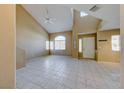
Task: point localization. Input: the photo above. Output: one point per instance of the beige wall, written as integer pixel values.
(87, 24)
(122, 43)
(30, 36)
(7, 46)
(105, 52)
(82, 25)
(68, 50)
(75, 30)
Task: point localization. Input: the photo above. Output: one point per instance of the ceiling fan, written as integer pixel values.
(47, 17)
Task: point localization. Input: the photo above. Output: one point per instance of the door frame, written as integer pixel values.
(81, 36)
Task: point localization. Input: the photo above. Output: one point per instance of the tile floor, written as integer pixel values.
(63, 72)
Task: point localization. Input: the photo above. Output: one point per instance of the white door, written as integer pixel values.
(89, 47)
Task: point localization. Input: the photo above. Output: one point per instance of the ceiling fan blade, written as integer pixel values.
(46, 21)
(46, 12)
(47, 18)
(52, 19)
(51, 22)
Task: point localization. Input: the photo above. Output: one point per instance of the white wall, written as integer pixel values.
(30, 36)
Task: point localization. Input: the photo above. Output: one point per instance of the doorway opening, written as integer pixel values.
(87, 46)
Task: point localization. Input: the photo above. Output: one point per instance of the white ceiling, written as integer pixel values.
(62, 14)
(108, 13)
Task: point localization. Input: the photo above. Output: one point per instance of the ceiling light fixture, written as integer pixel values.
(94, 8)
(47, 17)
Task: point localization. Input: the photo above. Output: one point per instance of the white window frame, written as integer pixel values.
(47, 45)
(80, 45)
(115, 39)
(51, 45)
(60, 43)
(83, 14)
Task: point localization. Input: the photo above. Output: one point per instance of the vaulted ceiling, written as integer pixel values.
(63, 17)
(108, 13)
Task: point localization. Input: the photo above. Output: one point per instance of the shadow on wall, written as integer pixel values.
(20, 58)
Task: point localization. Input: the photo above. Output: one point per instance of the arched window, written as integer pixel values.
(60, 43)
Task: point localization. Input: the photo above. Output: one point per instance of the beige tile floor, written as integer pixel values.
(55, 72)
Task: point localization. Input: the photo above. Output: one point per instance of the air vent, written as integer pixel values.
(94, 8)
